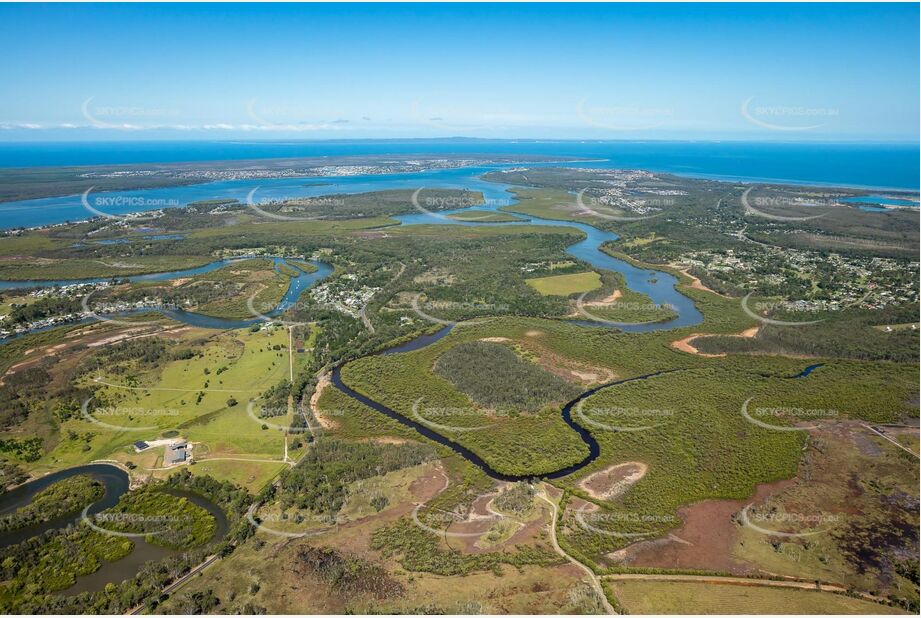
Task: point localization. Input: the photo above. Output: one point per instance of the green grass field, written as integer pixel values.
(566, 285)
(554, 204)
(252, 475)
(700, 598)
(483, 215)
(180, 396)
(78, 268)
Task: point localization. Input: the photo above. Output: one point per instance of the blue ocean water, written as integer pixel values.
(872, 165)
(881, 200)
(659, 286)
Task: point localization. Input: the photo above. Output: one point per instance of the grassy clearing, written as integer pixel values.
(370, 496)
(554, 204)
(566, 285)
(483, 216)
(11, 298)
(79, 268)
(700, 598)
(252, 475)
(642, 241)
(203, 398)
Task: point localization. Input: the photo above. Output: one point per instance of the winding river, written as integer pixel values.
(115, 482)
(594, 449)
(659, 286)
(296, 286)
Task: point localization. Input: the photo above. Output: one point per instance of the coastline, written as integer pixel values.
(180, 182)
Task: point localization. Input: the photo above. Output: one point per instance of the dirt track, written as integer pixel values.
(739, 581)
(685, 345)
(596, 583)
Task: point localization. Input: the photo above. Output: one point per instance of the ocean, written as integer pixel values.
(875, 167)
(870, 165)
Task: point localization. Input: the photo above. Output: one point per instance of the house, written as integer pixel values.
(176, 453)
(175, 456)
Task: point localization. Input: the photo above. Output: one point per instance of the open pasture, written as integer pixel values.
(657, 597)
(566, 285)
(200, 392)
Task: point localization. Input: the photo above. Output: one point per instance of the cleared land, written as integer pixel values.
(565, 285)
(657, 597)
(484, 216)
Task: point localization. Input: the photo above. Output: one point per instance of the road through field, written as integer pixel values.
(596, 583)
(739, 581)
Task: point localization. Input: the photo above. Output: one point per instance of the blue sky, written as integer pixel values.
(657, 71)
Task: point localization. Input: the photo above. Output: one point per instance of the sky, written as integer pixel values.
(847, 72)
